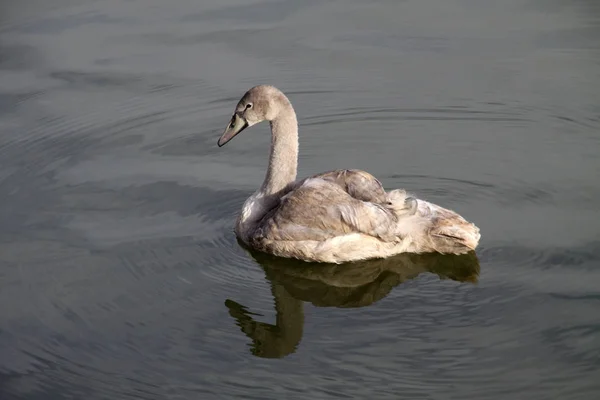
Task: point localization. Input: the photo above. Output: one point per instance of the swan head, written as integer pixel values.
(260, 103)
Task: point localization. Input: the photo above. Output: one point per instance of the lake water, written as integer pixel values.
(120, 275)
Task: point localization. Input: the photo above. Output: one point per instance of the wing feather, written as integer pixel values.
(331, 204)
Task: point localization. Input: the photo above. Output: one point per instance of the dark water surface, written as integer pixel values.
(120, 276)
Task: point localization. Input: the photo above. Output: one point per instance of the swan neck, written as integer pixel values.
(283, 159)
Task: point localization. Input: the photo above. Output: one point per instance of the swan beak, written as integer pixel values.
(237, 124)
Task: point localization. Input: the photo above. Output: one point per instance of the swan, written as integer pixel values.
(336, 216)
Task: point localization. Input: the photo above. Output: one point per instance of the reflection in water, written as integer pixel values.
(358, 284)
(116, 242)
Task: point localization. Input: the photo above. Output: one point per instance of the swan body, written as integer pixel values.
(336, 216)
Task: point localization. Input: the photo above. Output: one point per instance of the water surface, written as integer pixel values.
(120, 276)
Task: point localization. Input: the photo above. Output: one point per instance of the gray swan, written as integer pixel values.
(336, 216)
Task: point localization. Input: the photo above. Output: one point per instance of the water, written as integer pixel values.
(120, 276)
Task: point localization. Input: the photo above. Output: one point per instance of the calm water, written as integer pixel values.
(120, 276)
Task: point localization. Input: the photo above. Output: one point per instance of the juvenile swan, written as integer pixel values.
(336, 216)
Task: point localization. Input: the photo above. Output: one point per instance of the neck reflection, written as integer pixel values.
(357, 284)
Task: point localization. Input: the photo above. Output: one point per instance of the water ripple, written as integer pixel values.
(415, 114)
(120, 274)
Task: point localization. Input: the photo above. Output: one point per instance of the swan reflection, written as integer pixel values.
(357, 284)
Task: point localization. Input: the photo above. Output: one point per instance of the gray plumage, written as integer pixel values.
(336, 216)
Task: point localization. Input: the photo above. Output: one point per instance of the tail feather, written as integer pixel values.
(459, 234)
(443, 230)
(427, 227)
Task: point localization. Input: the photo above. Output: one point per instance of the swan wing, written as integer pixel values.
(329, 205)
(359, 184)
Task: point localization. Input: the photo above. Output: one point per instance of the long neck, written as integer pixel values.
(283, 160)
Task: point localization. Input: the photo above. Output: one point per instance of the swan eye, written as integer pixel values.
(248, 106)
